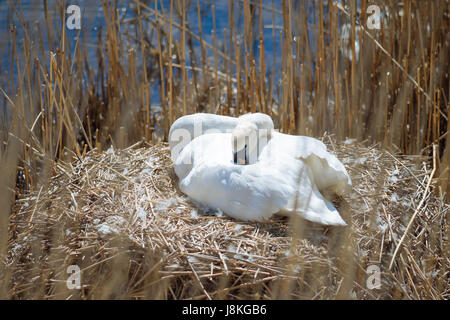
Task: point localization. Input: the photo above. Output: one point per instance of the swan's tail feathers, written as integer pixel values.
(329, 217)
(329, 174)
(319, 210)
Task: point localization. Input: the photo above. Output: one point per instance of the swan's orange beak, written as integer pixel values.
(240, 157)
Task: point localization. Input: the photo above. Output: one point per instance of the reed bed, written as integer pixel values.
(71, 109)
(118, 215)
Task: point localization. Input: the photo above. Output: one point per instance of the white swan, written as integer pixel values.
(328, 172)
(209, 175)
(280, 172)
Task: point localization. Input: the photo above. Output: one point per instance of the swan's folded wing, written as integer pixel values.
(214, 147)
(328, 172)
(251, 195)
(311, 205)
(207, 175)
(305, 199)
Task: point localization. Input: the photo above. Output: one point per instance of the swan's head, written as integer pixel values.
(243, 141)
(261, 120)
(246, 140)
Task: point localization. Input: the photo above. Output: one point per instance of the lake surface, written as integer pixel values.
(93, 23)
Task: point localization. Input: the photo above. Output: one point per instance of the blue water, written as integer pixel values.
(93, 24)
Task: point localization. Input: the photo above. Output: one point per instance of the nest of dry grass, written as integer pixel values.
(120, 218)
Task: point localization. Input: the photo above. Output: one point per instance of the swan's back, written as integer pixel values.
(187, 128)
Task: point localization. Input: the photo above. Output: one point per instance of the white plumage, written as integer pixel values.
(285, 177)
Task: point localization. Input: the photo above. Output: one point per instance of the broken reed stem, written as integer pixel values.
(290, 71)
(237, 52)
(417, 209)
(230, 54)
(247, 46)
(170, 80)
(161, 70)
(202, 47)
(353, 106)
(146, 95)
(272, 78)
(216, 62)
(183, 54)
(262, 61)
(228, 76)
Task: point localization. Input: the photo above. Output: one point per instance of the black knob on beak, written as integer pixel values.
(241, 156)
